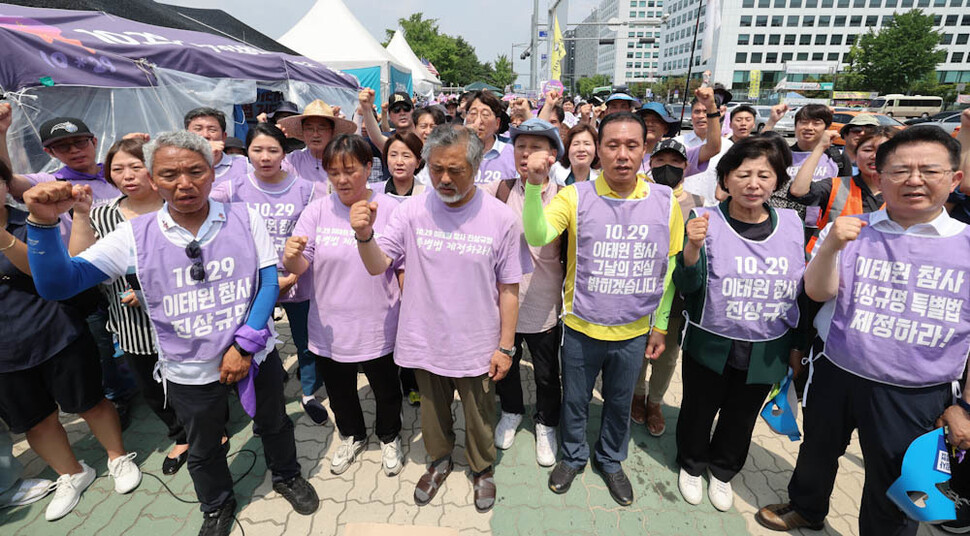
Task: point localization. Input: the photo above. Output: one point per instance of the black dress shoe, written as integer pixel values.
(562, 477)
(299, 493)
(218, 522)
(172, 465)
(619, 485)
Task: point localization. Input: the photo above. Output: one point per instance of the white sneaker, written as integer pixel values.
(392, 458)
(346, 453)
(68, 489)
(691, 487)
(506, 428)
(720, 493)
(27, 490)
(125, 473)
(545, 445)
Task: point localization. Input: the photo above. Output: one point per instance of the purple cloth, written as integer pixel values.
(247, 389)
(622, 247)
(195, 322)
(455, 258)
(280, 206)
(499, 168)
(353, 315)
(90, 48)
(305, 165)
(752, 286)
(825, 169)
(102, 190)
(902, 312)
(252, 340)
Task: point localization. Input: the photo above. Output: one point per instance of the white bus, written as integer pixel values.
(905, 106)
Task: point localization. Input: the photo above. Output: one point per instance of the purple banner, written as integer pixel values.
(95, 49)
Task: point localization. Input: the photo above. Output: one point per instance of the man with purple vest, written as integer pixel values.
(623, 235)
(208, 276)
(896, 331)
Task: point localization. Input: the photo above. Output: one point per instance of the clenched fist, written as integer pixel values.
(539, 164)
(825, 140)
(362, 216)
(778, 111)
(705, 96)
(844, 230)
(48, 200)
(294, 248)
(697, 230)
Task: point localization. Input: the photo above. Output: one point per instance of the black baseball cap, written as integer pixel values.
(61, 128)
(399, 99)
(233, 142)
(285, 109)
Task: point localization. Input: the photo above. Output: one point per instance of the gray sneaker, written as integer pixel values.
(346, 453)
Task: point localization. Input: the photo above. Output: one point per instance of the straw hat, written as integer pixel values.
(294, 124)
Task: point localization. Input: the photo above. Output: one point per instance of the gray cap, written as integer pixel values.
(670, 144)
(538, 127)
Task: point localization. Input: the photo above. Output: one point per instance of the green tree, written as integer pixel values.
(502, 74)
(898, 57)
(586, 84)
(454, 58)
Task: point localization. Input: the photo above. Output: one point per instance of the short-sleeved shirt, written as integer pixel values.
(456, 257)
(115, 256)
(230, 166)
(32, 329)
(304, 164)
(820, 191)
(540, 293)
(694, 166)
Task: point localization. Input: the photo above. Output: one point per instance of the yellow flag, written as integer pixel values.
(558, 52)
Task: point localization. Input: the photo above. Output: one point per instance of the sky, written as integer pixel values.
(491, 26)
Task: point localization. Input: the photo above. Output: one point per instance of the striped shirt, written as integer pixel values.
(131, 324)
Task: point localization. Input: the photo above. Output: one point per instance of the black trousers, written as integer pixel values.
(706, 393)
(341, 382)
(142, 366)
(204, 412)
(888, 419)
(544, 348)
(408, 383)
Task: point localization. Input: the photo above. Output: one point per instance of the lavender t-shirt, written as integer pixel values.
(353, 315)
(305, 165)
(455, 257)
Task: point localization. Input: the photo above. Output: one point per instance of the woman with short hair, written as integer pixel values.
(740, 275)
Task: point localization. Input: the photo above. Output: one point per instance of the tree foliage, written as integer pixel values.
(586, 84)
(502, 74)
(453, 57)
(898, 58)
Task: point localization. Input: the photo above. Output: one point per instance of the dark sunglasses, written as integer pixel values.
(194, 251)
(860, 130)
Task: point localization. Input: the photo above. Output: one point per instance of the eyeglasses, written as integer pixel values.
(485, 115)
(927, 174)
(194, 251)
(860, 130)
(66, 146)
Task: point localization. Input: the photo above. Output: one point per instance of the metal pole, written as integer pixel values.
(690, 62)
(534, 70)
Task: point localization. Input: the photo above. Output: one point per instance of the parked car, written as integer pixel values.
(839, 119)
(950, 124)
(786, 125)
(675, 110)
(935, 117)
(896, 105)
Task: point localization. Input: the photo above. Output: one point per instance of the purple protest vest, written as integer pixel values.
(500, 168)
(752, 286)
(196, 322)
(280, 205)
(827, 168)
(622, 247)
(902, 313)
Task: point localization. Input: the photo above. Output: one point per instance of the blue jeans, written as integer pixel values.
(118, 381)
(582, 360)
(10, 468)
(297, 313)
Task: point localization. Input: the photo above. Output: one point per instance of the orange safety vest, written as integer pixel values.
(844, 200)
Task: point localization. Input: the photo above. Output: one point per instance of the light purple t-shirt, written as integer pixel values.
(455, 257)
(353, 315)
(305, 165)
(230, 166)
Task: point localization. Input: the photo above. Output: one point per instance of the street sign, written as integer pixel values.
(543, 33)
(811, 67)
(827, 86)
(963, 99)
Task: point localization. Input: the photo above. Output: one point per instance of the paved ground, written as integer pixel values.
(364, 494)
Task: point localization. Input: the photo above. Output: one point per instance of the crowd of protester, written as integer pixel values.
(429, 245)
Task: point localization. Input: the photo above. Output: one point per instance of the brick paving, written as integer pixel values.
(364, 495)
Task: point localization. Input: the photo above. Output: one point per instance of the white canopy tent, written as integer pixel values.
(330, 33)
(423, 81)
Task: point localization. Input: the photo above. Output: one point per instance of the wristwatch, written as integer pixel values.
(963, 404)
(507, 351)
(242, 351)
